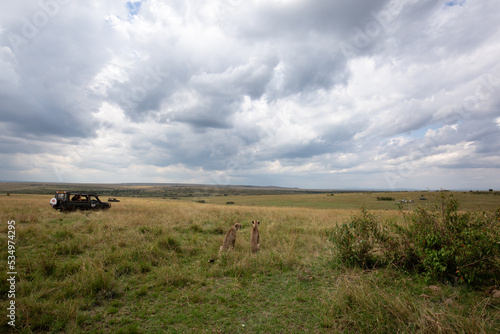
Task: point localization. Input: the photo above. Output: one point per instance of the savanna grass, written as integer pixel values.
(143, 266)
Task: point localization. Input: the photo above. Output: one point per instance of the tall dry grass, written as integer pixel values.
(145, 264)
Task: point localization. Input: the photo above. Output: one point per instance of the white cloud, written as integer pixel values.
(253, 92)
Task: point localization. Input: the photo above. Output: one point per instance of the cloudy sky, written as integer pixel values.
(301, 93)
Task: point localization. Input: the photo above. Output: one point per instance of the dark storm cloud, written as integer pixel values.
(305, 37)
(56, 55)
(10, 145)
(250, 79)
(213, 113)
(259, 90)
(43, 118)
(330, 139)
(298, 19)
(299, 40)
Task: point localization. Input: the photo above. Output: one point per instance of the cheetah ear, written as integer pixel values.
(258, 222)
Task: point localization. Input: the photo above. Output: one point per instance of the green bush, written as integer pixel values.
(358, 239)
(385, 198)
(446, 244)
(442, 244)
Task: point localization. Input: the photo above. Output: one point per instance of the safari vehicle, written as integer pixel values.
(77, 200)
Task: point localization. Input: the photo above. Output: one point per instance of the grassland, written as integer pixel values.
(147, 190)
(143, 267)
(468, 200)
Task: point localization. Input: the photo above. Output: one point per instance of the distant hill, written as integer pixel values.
(166, 190)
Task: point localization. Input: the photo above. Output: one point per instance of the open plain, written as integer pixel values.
(144, 267)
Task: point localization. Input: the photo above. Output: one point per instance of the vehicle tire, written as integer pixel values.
(53, 201)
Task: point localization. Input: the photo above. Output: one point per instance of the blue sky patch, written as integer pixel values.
(455, 3)
(133, 7)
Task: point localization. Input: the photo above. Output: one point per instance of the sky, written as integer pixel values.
(316, 94)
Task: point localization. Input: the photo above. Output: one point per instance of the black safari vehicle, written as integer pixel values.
(77, 200)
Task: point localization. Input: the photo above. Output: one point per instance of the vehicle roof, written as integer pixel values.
(76, 192)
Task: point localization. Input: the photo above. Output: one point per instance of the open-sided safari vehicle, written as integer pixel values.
(77, 200)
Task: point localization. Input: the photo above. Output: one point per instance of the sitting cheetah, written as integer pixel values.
(255, 236)
(230, 238)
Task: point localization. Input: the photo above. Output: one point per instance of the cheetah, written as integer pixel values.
(255, 236)
(230, 238)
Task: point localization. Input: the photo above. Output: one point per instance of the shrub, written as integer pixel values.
(442, 244)
(385, 198)
(447, 244)
(357, 241)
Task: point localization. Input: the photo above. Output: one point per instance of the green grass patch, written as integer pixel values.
(144, 267)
